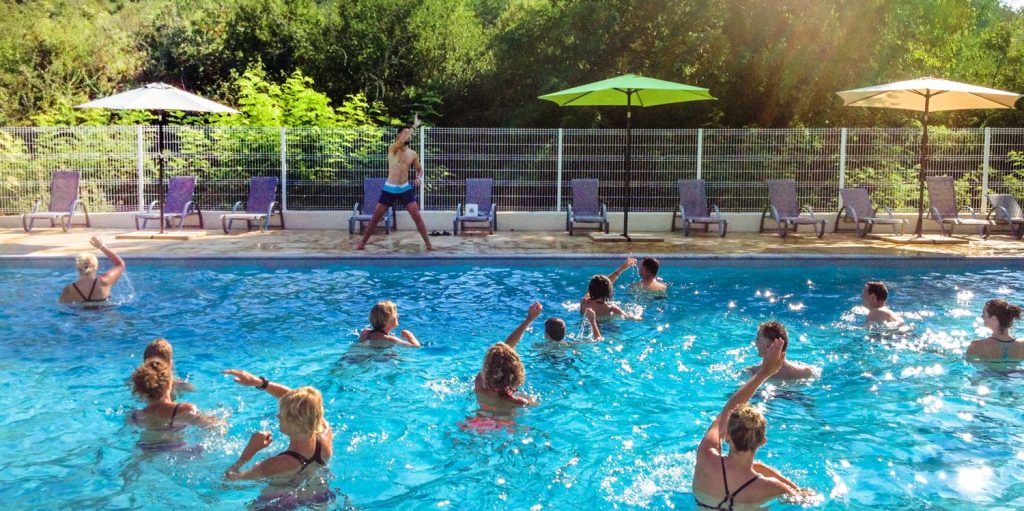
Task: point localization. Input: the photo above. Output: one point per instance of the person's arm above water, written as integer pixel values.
(190, 414)
(617, 311)
(517, 334)
(114, 273)
(248, 380)
(407, 339)
(595, 330)
(615, 274)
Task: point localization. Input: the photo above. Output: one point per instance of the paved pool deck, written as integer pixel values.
(320, 243)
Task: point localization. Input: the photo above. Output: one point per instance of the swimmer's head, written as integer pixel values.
(152, 380)
(746, 430)
(600, 287)
(161, 349)
(649, 267)
(875, 294)
(1003, 312)
(503, 370)
(87, 264)
(384, 316)
(554, 329)
(768, 332)
(301, 412)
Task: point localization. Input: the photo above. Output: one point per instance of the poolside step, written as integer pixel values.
(176, 235)
(619, 238)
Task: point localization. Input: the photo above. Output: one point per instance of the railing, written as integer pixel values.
(323, 169)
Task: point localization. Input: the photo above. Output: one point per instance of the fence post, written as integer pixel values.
(423, 158)
(984, 170)
(558, 175)
(842, 162)
(140, 154)
(700, 151)
(284, 170)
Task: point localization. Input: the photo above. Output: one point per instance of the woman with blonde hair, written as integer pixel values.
(497, 384)
(90, 288)
(744, 429)
(163, 418)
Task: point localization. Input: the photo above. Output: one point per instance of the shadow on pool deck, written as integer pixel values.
(297, 243)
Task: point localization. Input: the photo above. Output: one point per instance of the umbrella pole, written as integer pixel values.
(629, 143)
(924, 165)
(160, 159)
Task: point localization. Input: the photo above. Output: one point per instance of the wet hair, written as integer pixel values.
(772, 330)
(503, 370)
(651, 265)
(600, 287)
(1005, 312)
(87, 264)
(746, 428)
(161, 349)
(878, 290)
(152, 379)
(302, 411)
(381, 313)
(555, 329)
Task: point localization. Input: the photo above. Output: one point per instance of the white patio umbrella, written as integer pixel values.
(928, 95)
(159, 98)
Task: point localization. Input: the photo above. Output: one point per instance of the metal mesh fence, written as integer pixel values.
(323, 169)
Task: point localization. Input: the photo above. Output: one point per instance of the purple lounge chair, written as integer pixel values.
(1006, 210)
(180, 190)
(478, 191)
(586, 207)
(785, 210)
(259, 207)
(372, 188)
(693, 208)
(857, 208)
(64, 202)
(944, 210)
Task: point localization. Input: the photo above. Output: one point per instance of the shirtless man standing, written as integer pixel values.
(398, 188)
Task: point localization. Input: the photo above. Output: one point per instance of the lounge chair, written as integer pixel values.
(857, 208)
(1006, 210)
(693, 208)
(180, 190)
(585, 206)
(64, 202)
(786, 211)
(259, 207)
(944, 210)
(372, 188)
(478, 191)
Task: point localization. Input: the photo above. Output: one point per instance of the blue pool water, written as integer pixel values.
(896, 422)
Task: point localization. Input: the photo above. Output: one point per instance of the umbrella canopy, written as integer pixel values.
(628, 90)
(928, 95)
(159, 97)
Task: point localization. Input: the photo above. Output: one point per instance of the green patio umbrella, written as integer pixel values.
(628, 90)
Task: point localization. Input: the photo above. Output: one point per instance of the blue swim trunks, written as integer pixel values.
(391, 194)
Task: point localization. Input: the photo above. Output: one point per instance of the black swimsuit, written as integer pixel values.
(304, 460)
(88, 298)
(729, 497)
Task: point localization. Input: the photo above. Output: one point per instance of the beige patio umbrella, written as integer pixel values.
(928, 95)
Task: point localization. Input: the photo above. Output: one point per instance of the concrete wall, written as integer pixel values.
(442, 220)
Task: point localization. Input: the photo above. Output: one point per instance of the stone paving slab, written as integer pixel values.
(299, 243)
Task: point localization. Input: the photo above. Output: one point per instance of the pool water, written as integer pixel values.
(897, 421)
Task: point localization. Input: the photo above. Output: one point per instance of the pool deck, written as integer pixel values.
(317, 243)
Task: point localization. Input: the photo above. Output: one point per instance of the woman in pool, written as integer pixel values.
(162, 418)
(721, 481)
(384, 319)
(161, 348)
(90, 288)
(293, 473)
(998, 316)
(497, 384)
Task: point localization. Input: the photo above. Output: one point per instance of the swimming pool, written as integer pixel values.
(899, 422)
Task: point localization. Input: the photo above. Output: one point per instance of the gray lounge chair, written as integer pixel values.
(1006, 210)
(372, 188)
(259, 207)
(64, 202)
(693, 208)
(786, 211)
(944, 209)
(585, 206)
(180, 190)
(857, 208)
(478, 191)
